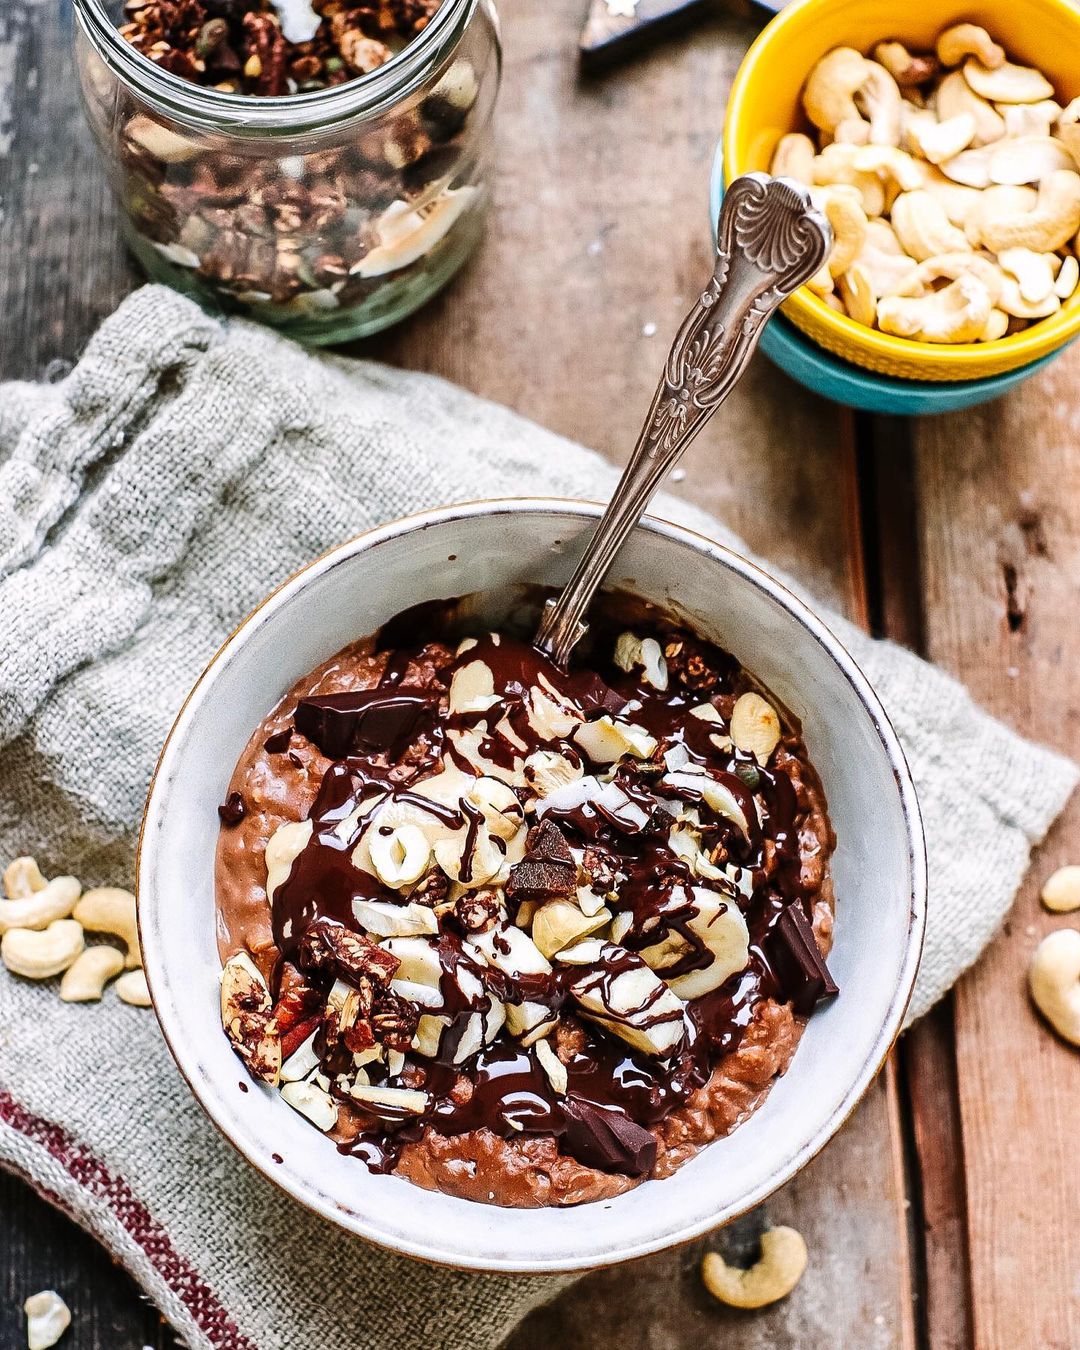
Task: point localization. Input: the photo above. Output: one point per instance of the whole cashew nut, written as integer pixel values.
(772, 1277)
(131, 988)
(951, 266)
(85, 980)
(829, 94)
(1052, 223)
(22, 877)
(41, 955)
(968, 39)
(39, 908)
(857, 294)
(923, 228)
(880, 100)
(835, 167)
(108, 909)
(959, 313)
(1054, 979)
(1067, 129)
(905, 67)
(848, 221)
(1007, 83)
(1061, 893)
(794, 158)
(955, 97)
(1000, 200)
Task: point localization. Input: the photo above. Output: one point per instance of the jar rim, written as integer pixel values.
(243, 114)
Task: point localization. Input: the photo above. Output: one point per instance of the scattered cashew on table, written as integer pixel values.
(952, 182)
(773, 1276)
(43, 924)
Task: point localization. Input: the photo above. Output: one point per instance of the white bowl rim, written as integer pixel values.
(350, 1219)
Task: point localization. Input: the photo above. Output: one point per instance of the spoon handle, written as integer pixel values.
(770, 240)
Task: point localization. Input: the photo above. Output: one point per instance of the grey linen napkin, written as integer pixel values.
(147, 502)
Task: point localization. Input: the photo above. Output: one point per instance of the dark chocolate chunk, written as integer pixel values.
(606, 1138)
(362, 720)
(797, 961)
(232, 810)
(279, 742)
(547, 869)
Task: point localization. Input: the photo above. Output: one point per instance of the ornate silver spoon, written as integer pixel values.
(770, 240)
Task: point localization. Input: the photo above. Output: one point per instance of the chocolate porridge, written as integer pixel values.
(523, 935)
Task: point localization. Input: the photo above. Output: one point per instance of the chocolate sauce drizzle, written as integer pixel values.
(384, 739)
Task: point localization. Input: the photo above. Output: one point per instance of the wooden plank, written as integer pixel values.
(999, 490)
(599, 243)
(41, 1249)
(929, 1088)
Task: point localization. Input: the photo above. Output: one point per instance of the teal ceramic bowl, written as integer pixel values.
(816, 369)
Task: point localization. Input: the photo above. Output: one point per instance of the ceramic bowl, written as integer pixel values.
(764, 104)
(487, 548)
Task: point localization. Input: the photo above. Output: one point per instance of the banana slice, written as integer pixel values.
(719, 924)
(617, 990)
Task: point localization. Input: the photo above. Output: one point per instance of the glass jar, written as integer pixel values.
(329, 214)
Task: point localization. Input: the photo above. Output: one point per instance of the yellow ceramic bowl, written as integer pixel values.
(764, 104)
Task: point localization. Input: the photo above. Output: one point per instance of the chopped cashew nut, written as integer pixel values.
(39, 955)
(85, 980)
(1062, 890)
(131, 988)
(968, 39)
(1054, 979)
(47, 1318)
(40, 907)
(108, 909)
(772, 1277)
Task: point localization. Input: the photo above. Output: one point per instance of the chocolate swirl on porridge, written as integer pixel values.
(524, 935)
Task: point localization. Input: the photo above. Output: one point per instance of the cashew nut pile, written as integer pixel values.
(43, 926)
(952, 183)
(772, 1277)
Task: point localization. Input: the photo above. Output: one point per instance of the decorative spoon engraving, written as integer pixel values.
(770, 240)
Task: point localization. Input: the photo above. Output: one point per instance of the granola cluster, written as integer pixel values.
(242, 46)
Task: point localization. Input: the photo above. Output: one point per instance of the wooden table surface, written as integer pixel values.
(946, 1213)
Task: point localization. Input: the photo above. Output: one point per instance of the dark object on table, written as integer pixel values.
(615, 28)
